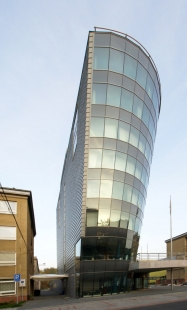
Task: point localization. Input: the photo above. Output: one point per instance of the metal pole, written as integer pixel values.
(17, 291)
(172, 279)
(22, 292)
(171, 229)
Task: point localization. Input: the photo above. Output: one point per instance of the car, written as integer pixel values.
(184, 284)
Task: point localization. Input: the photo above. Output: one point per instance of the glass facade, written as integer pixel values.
(124, 110)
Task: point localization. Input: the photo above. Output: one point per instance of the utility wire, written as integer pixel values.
(10, 210)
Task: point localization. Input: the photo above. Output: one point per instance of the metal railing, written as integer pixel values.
(161, 256)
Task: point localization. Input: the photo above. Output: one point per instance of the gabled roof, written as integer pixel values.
(21, 192)
(177, 237)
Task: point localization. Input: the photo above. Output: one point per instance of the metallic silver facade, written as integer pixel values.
(105, 177)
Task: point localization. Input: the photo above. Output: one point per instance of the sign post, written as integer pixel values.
(17, 278)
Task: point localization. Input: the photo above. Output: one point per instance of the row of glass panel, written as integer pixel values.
(113, 60)
(115, 190)
(113, 218)
(101, 158)
(112, 128)
(123, 44)
(120, 97)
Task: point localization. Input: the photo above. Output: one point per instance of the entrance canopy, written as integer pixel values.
(48, 277)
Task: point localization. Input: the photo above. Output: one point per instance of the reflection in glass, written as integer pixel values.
(127, 193)
(135, 194)
(131, 164)
(126, 100)
(108, 159)
(142, 143)
(111, 128)
(130, 67)
(134, 136)
(149, 86)
(99, 93)
(103, 218)
(123, 133)
(117, 190)
(137, 107)
(93, 188)
(141, 76)
(131, 222)
(114, 218)
(106, 189)
(116, 61)
(97, 127)
(146, 115)
(95, 156)
(138, 171)
(92, 217)
(124, 219)
(113, 95)
(101, 56)
(120, 163)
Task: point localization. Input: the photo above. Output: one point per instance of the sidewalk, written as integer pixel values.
(115, 302)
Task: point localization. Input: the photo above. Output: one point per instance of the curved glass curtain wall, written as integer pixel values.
(124, 114)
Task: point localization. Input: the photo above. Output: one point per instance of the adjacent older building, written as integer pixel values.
(17, 231)
(107, 165)
(179, 251)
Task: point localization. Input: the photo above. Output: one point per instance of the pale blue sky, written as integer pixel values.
(42, 46)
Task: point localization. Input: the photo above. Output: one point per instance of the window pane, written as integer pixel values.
(127, 193)
(134, 136)
(103, 219)
(141, 76)
(123, 133)
(131, 222)
(116, 61)
(101, 56)
(113, 95)
(143, 177)
(93, 188)
(140, 201)
(92, 218)
(137, 223)
(99, 93)
(111, 128)
(126, 100)
(155, 101)
(108, 159)
(145, 115)
(95, 156)
(114, 218)
(124, 220)
(117, 42)
(4, 207)
(137, 107)
(138, 171)
(97, 127)
(120, 163)
(149, 86)
(117, 190)
(142, 143)
(106, 189)
(151, 125)
(102, 39)
(7, 233)
(130, 67)
(131, 164)
(147, 151)
(135, 194)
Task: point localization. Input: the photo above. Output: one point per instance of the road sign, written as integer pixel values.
(17, 277)
(22, 283)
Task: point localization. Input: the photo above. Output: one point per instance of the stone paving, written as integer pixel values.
(142, 298)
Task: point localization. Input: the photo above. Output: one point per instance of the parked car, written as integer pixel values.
(184, 284)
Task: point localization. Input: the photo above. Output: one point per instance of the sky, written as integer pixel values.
(42, 47)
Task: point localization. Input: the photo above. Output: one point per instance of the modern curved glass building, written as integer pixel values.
(107, 165)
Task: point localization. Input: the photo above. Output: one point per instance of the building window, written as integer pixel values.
(5, 207)
(7, 258)
(7, 287)
(7, 233)
(75, 132)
